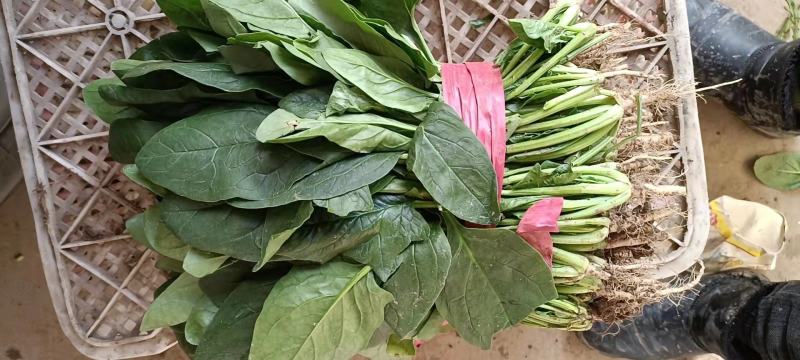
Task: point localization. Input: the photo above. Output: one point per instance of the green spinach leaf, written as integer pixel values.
(321, 312)
(381, 346)
(104, 110)
(346, 99)
(341, 177)
(307, 103)
(201, 263)
(245, 59)
(135, 227)
(176, 46)
(399, 225)
(229, 335)
(541, 34)
(281, 223)
(209, 42)
(321, 149)
(221, 20)
(360, 138)
(218, 285)
(388, 88)
(160, 237)
(185, 13)
(125, 95)
(267, 15)
(537, 177)
(496, 279)
(174, 305)
(326, 239)
(214, 156)
(200, 317)
(401, 26)
(311, 50)
(418, 282)
(358, 200)
(158, 74)
(454, 167)
(297, 68)
(779, 171)
(343, 20)
(219, 229)
(127, 137)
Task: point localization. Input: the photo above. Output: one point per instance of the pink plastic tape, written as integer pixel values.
(475, 91)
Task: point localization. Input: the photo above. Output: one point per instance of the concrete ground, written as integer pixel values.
(29, 330)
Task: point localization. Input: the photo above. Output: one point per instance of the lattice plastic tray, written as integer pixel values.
(100, 281)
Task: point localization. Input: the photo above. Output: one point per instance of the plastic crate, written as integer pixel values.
(100, 280)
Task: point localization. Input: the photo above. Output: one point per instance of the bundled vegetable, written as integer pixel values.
(313, 185)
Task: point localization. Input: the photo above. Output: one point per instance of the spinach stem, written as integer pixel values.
(576, 98)
(611, 116)
(556, 59)
(615, 188)
(593, 237)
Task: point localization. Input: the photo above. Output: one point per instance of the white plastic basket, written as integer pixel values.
(100, 281)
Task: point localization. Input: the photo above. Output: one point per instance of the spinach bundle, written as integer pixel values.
(312, 185)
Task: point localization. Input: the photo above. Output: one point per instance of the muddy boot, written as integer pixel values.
(697, 324)
(728, 47)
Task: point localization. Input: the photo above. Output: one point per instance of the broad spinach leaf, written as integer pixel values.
(281, 123)
(393, 225)
(400, 25)
(321, 149)
(311, 50)
(360, 138)
(176, 46)
(219, 229)
(185, 13)
(245, 59)
(399, 225)
(218, 285)
(418, 282)
(127, 137)
(160, 237)
(209, 42)
(495, 280)
(214, 156)
(346, 99)
(454, 167)
(191, 92)
(201, 263)
(297, 68)
(541, 34)
(103, 109)
(388, 88)
(135, 227)
(321, 312)
(267, 15)
(341, 177)
(307, 103)
(221, 20)
(200, 317)
(343, 20)
(229, 335)
(161, 74)
(779, 171)
(359, 200)
(560, 175)
(174, 305)
(281, 223)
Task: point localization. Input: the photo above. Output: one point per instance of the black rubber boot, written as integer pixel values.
(727, 47)
(699, 323)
